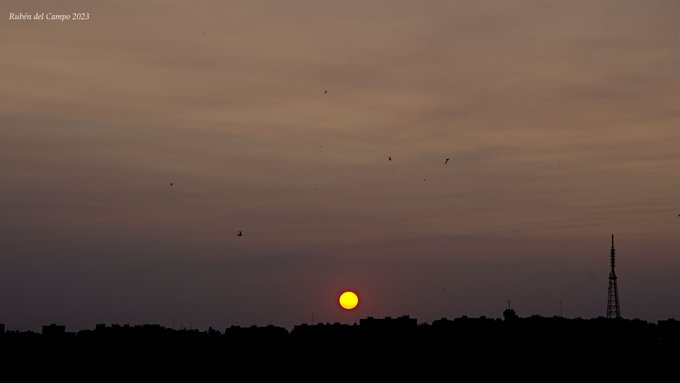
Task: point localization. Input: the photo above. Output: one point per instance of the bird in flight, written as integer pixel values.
(325, 92)
(447, 161)
(389, 158)
(239, 234)
(171, 183)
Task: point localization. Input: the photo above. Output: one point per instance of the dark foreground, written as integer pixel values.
(389, 347)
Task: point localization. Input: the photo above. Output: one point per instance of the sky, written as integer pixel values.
(561, 120)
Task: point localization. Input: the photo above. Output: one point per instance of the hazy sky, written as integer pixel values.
(561, 119)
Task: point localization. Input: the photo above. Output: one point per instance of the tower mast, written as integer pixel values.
(613, 309)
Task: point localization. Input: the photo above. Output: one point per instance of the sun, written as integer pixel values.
(348, 300)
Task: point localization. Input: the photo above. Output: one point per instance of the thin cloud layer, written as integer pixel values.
(560, 118)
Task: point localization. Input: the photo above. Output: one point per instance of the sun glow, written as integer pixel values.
(348, 300)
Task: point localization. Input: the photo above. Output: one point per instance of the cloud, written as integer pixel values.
(560, 119)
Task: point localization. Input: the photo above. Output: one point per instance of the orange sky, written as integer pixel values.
(561, 119)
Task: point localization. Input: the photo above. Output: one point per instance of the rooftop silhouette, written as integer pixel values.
(388, 347)
(482, 331)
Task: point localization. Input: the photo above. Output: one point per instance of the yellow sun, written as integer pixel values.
(348, 300)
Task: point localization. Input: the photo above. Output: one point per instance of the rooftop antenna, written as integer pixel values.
(560, 309)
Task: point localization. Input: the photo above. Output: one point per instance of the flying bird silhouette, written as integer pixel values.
(171, 183)
(239, 234)
(447, 161)
(389, 158)
(325, 92)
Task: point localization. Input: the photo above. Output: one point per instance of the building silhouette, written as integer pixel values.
(53, 330)
(509, 313)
